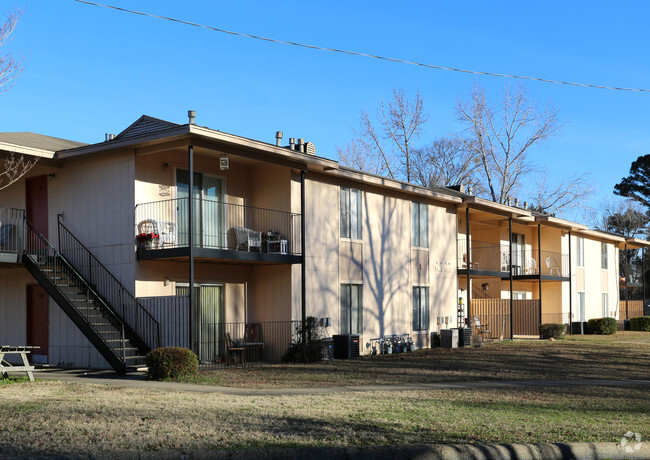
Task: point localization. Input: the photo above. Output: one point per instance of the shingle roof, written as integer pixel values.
(38, 141)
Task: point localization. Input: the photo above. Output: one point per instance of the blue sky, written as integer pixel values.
(89, 70)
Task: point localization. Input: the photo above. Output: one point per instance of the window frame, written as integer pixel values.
(420, 312)
(351, 292)
(603, 256)
(580, 256)
(605, 304)
(419, 225)
(350, 219)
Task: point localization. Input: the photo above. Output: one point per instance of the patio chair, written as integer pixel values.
(233, 349)
(551, 264)
(505, 262)
(253, 341)
(481, 330)
(531, 267)
(246, 239)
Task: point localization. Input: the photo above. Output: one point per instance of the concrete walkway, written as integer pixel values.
(107, 377)
(545, 451)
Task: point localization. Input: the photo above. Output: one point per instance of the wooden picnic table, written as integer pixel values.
(23, 351)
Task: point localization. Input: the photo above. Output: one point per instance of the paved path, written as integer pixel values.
(103, 377)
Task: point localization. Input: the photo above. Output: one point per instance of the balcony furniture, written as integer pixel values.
(234, 348)
(531, 267)
(277, 247)
(505, 262)
(552, 265)
(481, 330)
(253, 341)
(245, 239)
(472, 265)
(5, 232)
(149, 226)
(23, 351)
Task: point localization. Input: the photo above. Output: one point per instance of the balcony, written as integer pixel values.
(12, 234)
(221, 231)
(493, 259)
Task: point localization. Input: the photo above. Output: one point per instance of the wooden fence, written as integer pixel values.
(630, 309)
(494, 315)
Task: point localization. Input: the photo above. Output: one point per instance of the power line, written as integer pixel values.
(356, 53)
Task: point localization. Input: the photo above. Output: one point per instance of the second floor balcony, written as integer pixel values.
(220, 231)
(495, 259)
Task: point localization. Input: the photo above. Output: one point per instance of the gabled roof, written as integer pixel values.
(146, 125)
(35, 144)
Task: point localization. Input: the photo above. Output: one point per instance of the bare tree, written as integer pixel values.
(445, 161)
(623, 216)
(568, 194)
(10, 66)
(14, 166)
(503, 137)
(400, 123)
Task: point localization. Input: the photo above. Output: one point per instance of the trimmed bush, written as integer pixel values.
(640, 323)
(551, 330)
(172, 363)
(579, 328)
(312, 350)
(602, 326)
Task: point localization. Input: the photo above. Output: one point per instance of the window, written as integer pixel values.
(605, 305)
(603, 255)
(581, 307)
(581, 252)
(420, 225)
(420, 308)
(351, 309)
(350, 213)
(209, 221)
(518, 295)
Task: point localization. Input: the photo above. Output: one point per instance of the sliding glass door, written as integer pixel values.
(209, 213)
(208, 320)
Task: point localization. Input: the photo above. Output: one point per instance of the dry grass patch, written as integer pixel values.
(625, 355)
(56, 417)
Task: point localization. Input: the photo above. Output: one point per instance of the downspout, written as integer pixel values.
(512, 303)
(303, 274)
(190, 240)
(570, 289)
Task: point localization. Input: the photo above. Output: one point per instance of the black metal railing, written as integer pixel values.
(110, 288)
(496, 257)
(12, 230)
(217, 225)
(67, 280)
(631, 273)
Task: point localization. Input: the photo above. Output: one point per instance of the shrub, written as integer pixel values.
(172, 363)
(312, 351)
(551, 330)
(640, 323)
(602, 326)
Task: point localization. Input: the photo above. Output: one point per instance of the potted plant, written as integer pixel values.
(269, 237)
(147, 240)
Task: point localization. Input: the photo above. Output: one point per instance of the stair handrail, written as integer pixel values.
(30, 226)
(121, 289)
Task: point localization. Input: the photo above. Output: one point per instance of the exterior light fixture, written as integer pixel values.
(224, 162)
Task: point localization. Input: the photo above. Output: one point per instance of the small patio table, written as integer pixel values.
(23, 351)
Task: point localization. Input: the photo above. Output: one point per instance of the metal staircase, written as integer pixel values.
(99, 319)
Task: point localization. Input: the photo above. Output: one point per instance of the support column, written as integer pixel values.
(539, 269)
(303, 273)
(190, 242)
(627, 280)
(570, 289)
(512, 330)
(643, 280)
(469, 261)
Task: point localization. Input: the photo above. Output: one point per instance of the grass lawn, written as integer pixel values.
(625, 355)
(58, 417)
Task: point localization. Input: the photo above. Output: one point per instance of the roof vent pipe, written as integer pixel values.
(301, 145)
(292, 143)
(525, 204)
(191, 114)
(106, 137)
(517, 202)
(470, 190)
(111, 137)
(278, 138)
